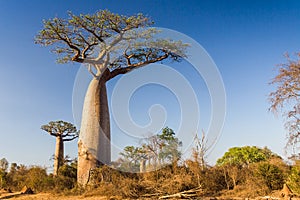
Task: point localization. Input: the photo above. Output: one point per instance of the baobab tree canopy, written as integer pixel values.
(65, 130)
(78, 37)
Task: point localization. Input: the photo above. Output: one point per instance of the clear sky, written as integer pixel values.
(246, 39)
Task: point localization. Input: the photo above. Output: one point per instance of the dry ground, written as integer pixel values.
(47, 196)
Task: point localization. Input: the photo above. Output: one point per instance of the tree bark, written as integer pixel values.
(94, 141)
(59, 154)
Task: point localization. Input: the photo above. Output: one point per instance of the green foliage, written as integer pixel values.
(243, 156)
(244, 168)
(131, 158)
(293, 180)
(77, 33)
(65, 130)
(271, 175)
(76, 38)
(17, 176)
(66, 178)
(34, 177)
(170, 146)
(37, 179)
(3, 178)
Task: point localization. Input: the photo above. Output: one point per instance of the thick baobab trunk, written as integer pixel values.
(94, 140)
(59, 155)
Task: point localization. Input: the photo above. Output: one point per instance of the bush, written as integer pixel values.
(3, 178)
(213, 180)
(294, 178)
(66, 178)
(271, 175)
(38, 180)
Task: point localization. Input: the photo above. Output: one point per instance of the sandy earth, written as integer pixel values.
(46, 196)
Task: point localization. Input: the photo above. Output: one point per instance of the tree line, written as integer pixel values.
(247, 171)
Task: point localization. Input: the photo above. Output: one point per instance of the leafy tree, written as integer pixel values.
(158, 150)
(169, 152)
(109, 44)
(67, 176)
(162, 149)
(243, 156)
(17, 179)
(63, 132)
(272, 176)
(36, 178)
(131, 158)
(286, 97)
(237, 158)
(294, 178)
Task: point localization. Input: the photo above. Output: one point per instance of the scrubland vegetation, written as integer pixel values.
(242, 171)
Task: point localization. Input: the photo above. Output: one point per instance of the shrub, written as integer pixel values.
(66, 178)
(213, 180)
(271, 175)
(294, 178)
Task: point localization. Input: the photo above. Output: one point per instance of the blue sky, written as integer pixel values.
(246, 39)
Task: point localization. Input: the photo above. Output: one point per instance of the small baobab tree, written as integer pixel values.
(108, 44)
(63, 132)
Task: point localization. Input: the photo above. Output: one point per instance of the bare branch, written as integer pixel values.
(285, 99)
(70, 139)
(131, 66)
(91, 71)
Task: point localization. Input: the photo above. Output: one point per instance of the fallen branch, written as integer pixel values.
(184, 194)
(151, 195)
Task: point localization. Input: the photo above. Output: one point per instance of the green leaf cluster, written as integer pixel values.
(243, 156)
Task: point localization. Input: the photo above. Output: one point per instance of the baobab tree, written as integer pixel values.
(109, 45)
(63, 132)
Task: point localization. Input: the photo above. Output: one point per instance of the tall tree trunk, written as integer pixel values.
(94, 140)
(59, 154)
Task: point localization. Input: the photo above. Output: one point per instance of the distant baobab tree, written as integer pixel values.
(109, 44)
(63, 132)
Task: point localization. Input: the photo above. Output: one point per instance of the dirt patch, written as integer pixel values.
(47, 196)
